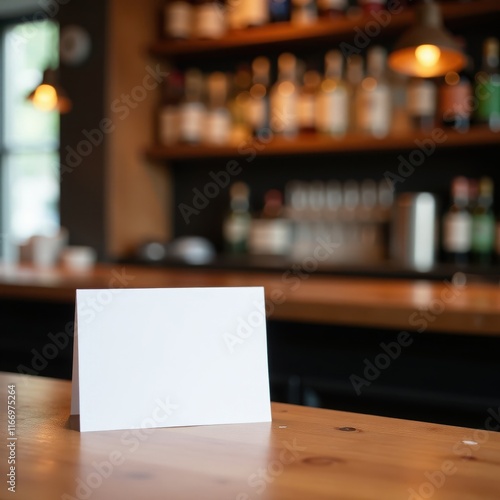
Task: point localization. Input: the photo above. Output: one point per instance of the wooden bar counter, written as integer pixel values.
(304, 454)
(292, 295)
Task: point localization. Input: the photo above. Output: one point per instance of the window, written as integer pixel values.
(29, 138)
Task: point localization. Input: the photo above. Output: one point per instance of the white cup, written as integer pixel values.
(78, 258)
(45, 250)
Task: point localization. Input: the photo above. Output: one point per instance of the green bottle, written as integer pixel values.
(487, 86)
(483, 223)
(236, 225)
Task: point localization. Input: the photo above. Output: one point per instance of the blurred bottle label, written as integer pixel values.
(457, 233)
(178, 20)
(483, 233)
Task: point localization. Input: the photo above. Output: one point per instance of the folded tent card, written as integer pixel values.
(168, 357)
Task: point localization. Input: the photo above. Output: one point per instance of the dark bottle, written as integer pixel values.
(258, 106)
(483, 223)
(457, 224)
(279, 10)
(422, 103)
(455, 95)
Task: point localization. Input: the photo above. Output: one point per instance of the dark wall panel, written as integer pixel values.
(83, 142)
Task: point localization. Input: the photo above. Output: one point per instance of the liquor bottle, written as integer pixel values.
(332, 101)
(283, 97)
(271, 231)
(457, 224)
(178, 19)
(306, 101)
(218, 118)
(401, 123)
(295, 199)
(351, 198)
(350, 214)
(333, 212)
(331, 8)
(487, 86)
(254, 12)
(317, 210)
(354, 77)
(422, 103)
(279, 10)
(236, 225)
(316, 195)
(455, 99)
(304, 12)
(333, 199)
(258, 106)
(192, 107)
(385, 200)
(373, 100)
(239, 102)
(235, 15)
(473, 194)
(169, 112)
(372, 229)
(209, 19)
(368, 200)
(483, 223)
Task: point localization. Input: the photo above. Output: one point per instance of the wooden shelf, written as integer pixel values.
(325, 30)
(317, 144)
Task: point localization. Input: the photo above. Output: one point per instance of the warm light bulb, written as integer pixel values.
(45, 97)
(427, 55)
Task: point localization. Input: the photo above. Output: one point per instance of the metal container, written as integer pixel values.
(414, 230)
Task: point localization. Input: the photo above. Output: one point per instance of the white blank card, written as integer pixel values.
(165, 357)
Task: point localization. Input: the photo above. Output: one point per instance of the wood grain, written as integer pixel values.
(304, 454)
(411, 305)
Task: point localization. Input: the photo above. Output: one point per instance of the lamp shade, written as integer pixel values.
(427, 50)
(49, 95)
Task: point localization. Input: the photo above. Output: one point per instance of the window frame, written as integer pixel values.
(8, 251)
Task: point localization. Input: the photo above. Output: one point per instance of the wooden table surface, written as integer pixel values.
(417, 305)
(304, 454)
